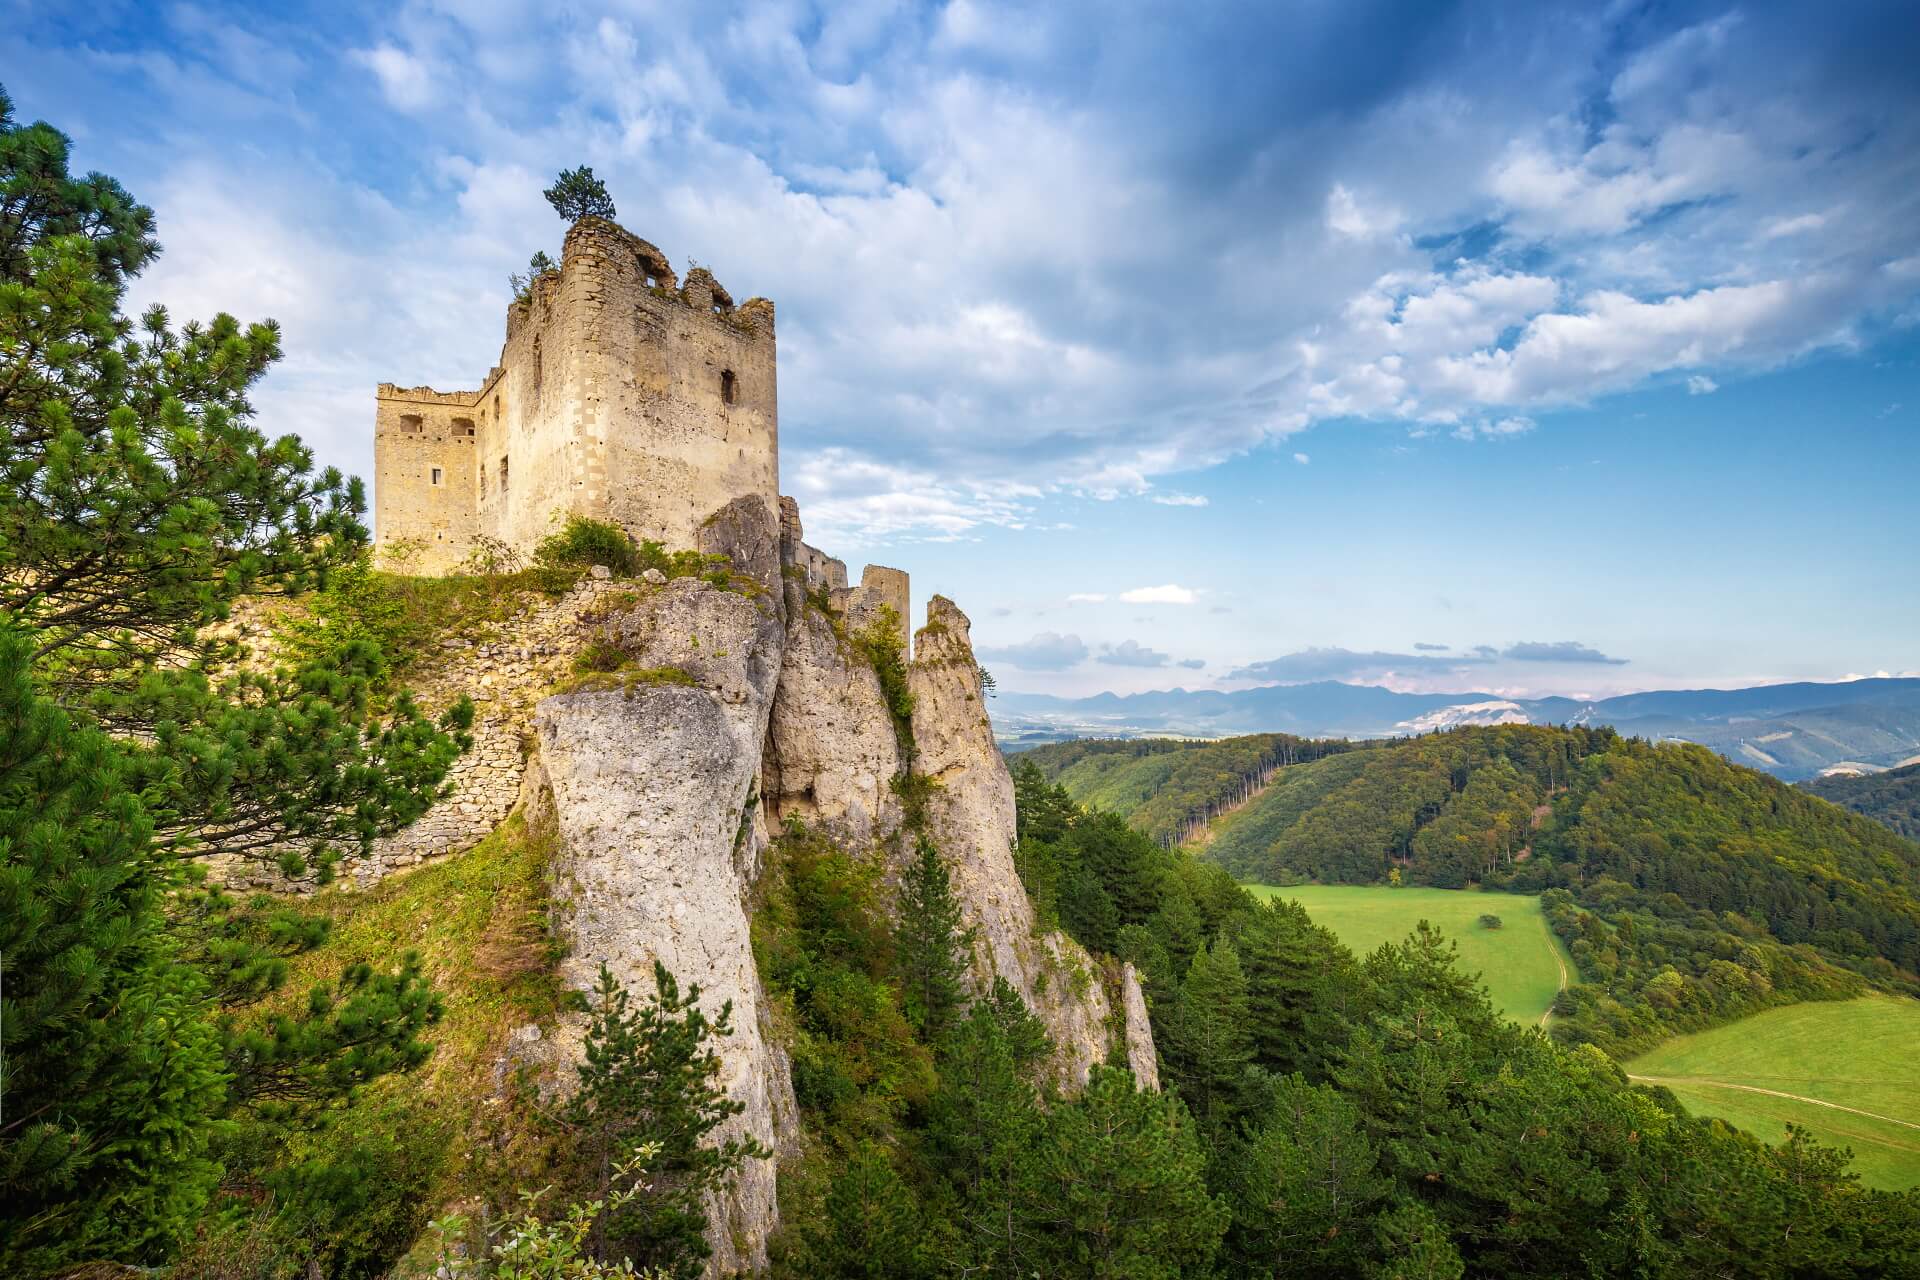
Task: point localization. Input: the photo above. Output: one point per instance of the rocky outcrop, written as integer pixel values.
(971, 815)
(652, 773)
(1142, 1060)
(832, 753)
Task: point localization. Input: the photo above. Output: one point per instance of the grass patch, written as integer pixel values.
(626, 680)
(479, 922)
(1520, 962)
(1852, 1053)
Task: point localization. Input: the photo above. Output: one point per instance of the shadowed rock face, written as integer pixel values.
(831, 753)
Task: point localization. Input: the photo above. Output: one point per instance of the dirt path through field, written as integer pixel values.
(1699, 1082)
(1546, 1019)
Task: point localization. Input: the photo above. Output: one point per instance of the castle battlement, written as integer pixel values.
(621, 393)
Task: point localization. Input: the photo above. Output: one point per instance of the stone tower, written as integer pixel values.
(620, 394)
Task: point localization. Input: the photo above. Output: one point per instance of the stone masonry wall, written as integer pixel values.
(615, 397)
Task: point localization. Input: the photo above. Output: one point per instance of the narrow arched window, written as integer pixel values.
(727, 386)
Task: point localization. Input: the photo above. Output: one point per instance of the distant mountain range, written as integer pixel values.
(1793, 731)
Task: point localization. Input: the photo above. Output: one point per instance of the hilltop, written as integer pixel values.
(1689, 890)
(1891, 797)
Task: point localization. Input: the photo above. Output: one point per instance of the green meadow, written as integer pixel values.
(1522, 964)
(1859, 1057)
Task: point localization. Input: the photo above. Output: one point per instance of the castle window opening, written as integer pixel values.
(411, 423)
(496, 408)
(503, 473)
(727, 384)
(463, 427)
(436, 475)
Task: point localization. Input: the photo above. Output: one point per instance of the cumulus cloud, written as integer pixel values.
(1047, 651)
(966, 231)
(1171, 593)
(1087, 597)
(1302, 459)
(1700, 385)
(1557, 651)
(1131, 653)
(1181, 499)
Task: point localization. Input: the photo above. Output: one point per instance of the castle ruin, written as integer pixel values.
(621, 394)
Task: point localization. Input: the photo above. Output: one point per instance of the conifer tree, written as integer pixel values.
(110, 1075)
(1209, 1043)
(1120, 1186)
(984, 1129)
(138, 502)
(930, 943)
(651, 1078)
(577, 194)
(869, 1227)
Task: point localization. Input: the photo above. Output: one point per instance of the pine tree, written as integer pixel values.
(984, 1130)
(577, 194)
(1303, 1185)
(869, 1226)
(139, 502)
(1209, 1042)
(651, 1078)
(1120, 1186)
(110, 1074)
(930, 943)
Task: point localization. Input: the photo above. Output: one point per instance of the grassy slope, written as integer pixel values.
(478, 922)
(1520, 963)
(1861, 1053)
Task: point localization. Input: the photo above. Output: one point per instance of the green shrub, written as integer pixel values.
(584, 541)
(882, 642)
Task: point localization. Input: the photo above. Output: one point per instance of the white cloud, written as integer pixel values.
(1347, 217)
(1181, 499)
(1503, 429)
(406, 81)
(1777, 227)
(1131, 653)
(1302, 459)
(1047, 651)
(1087, 597)
(1171, 593)
(1700, 385)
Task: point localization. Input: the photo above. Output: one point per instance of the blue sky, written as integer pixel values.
(1463, 346)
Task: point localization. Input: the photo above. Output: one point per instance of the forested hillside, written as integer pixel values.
(1891, 798)
(1373, 1117)
(1169, 788)
(1689, 890)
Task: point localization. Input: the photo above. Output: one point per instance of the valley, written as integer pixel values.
(1522, 965)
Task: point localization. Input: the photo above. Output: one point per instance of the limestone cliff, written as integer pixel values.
(972, 819)
(652, 786)
(730, 710)
(831, 754)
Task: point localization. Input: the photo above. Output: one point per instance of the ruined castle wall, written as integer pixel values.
(880, 587)
(534, 469)
(425, 444)
(678, 392)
